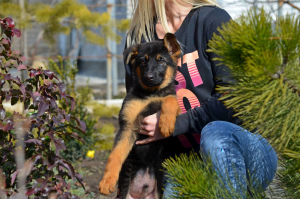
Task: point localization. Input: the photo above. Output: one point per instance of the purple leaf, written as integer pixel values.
(38, 186)
(16, 78)
(76, 136)
(72, 103)
(36, 94)
(6, 127)
(16, 32)
(7, 77)
(30, 192)
(53, 104)
(55, 120)
(69, 167)
(50, 167)
(9, 21)
(79, 179)
(22, 67)
(49, 74)
(35, 141)
(82, 125)
(7, 97)
(36, 157)
(61, 87)
(67, 117)
(36, 98)
(59, 144)
(9, 127)
(13, 177)
(34, 73)
(43, 106)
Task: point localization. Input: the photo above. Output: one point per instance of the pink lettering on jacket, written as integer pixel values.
(190, 60)
(182, 92)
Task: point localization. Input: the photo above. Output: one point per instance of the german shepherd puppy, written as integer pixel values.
(151, 68)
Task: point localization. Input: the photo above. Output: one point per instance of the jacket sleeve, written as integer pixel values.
(212, 109)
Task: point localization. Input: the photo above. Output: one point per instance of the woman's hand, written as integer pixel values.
(149, 127)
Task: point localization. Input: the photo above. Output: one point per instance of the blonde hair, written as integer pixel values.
(145, 11)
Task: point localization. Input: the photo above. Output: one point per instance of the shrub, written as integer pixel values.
(67, 72)
(36, 133)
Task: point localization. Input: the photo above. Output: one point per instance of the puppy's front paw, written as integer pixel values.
(166, 125)
(107, 184)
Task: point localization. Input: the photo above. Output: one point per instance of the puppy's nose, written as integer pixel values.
(150, 76)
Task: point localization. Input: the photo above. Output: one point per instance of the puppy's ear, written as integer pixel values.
(172, 45)
(129, 55)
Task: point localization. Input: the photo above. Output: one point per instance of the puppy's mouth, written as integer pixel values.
(151, 82)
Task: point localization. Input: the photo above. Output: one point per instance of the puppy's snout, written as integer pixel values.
(150, 77)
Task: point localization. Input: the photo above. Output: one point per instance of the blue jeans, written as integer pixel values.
(236, 154)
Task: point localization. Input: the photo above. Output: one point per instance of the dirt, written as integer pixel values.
(94, 169)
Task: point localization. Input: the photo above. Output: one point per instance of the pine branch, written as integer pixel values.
(193, 178)
(280, 72)
(264, 60)
(291, 4)
(287, 81)
(294, 88)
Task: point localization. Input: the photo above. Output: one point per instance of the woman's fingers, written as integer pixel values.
(147, 128)
(144, 132)
(148, 120)
(145, 141)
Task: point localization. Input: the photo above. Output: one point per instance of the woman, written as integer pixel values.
(205, 123)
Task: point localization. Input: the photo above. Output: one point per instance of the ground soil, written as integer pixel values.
(93, 173)
(93, 169)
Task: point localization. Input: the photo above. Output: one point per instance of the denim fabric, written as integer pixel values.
(236, 154)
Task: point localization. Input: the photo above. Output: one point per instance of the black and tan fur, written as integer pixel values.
(151, 69)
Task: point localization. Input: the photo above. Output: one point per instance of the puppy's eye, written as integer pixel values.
(161, 60)
(143, 60)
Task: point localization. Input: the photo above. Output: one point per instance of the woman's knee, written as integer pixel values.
(212, 137)
(217, 126)
(216, 134)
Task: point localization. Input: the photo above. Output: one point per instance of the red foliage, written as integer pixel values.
(47, 170)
